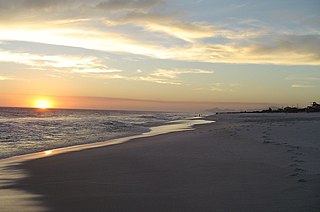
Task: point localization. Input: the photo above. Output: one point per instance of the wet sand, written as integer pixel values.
(243, 162)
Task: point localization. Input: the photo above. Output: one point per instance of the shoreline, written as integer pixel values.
(240, 163)
(9, 174)
(58, 128)
(155, 129)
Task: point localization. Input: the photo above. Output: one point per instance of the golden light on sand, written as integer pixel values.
(43, 103)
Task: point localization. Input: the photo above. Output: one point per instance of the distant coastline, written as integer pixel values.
(314, 107)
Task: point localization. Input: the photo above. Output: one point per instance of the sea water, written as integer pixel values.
(28, 130)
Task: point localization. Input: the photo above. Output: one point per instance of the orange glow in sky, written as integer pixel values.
(159, 55)
(43, 103)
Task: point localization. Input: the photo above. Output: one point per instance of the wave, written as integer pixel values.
(25, 131)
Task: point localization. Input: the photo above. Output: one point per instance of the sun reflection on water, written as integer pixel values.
(48, 152)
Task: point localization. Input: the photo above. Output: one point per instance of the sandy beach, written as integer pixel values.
(242, 162)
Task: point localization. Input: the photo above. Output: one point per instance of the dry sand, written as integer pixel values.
(243, 162)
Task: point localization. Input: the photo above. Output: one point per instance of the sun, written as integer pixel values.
(43, 103)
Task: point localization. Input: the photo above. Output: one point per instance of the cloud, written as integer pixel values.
(96, 71)
(100, 73)
(216, 88)
(283, 49)
(2, 78)
(224, 87)
(303, 50)
(239, 34)
(41, 10)
(93, 67)
(67, 63)
(173, 73)
(156, 80)
(29, 9)
(115, 5)
(168, 76)
(301, 47)
(170, 25)
(11, 78)
(160, 76)
(4, 4)
(302, 86)
(307, 78)
(220, 87)
(304, 77)
(304, 81)
(55, 61)
(41, 4)
(145, 27)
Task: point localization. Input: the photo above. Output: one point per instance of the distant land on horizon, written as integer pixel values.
(314, 107)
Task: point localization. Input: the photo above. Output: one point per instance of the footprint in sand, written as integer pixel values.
(301, 181)
(298, 161)
(294, 174)
(299, 170)
(293, 147)
(293, 165)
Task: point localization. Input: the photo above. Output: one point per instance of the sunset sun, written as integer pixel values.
(43, 103)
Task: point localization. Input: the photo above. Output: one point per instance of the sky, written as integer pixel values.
(178, 55)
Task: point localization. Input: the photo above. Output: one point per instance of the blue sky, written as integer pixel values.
(200, 51)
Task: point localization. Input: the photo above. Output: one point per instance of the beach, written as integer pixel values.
(241, 162)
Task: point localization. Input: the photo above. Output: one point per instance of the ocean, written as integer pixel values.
(28, 130)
